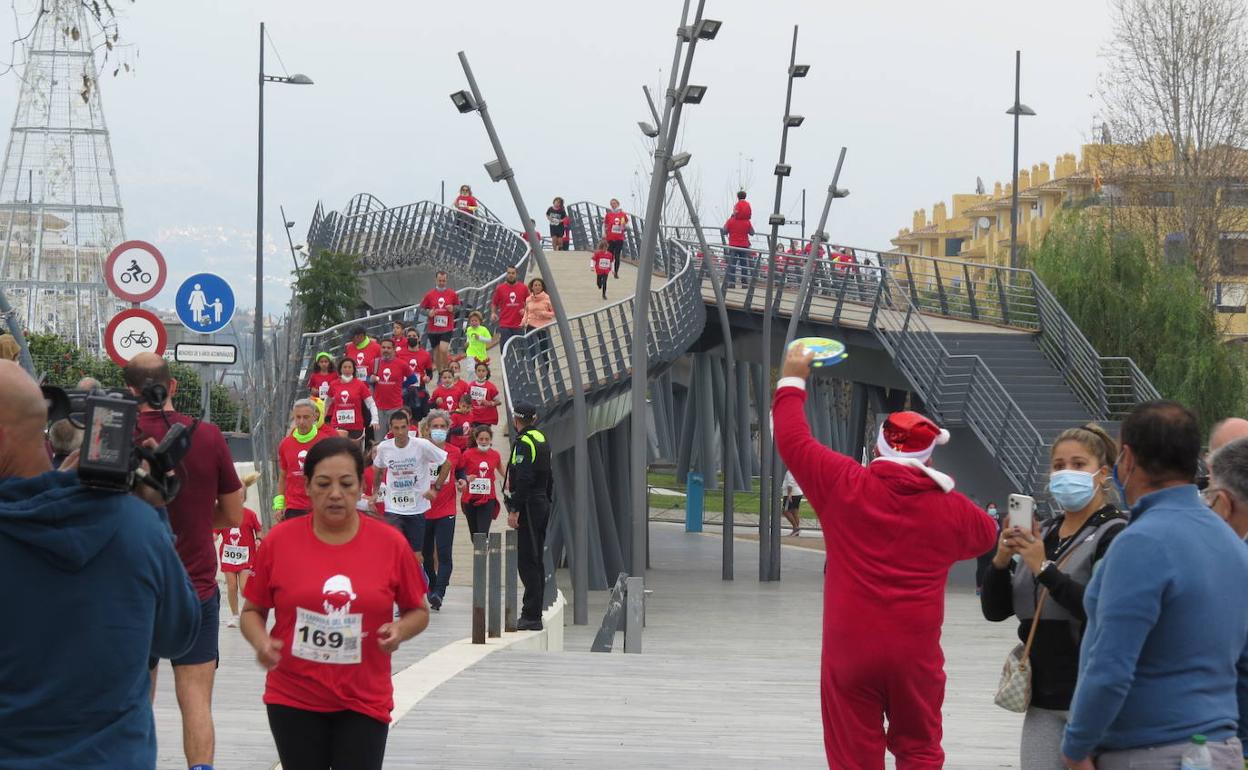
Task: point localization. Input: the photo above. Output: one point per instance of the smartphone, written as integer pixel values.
(1022, 511)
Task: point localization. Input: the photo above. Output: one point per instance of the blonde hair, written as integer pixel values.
(1093, 438)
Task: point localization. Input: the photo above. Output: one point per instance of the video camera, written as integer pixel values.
(110, 458)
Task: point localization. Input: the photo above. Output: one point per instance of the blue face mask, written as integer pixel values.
(438, 435)
(1072, 490)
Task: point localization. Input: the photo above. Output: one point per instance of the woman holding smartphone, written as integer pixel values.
(1055, 558)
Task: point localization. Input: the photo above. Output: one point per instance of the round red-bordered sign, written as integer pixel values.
(135, 271)
(132, 332)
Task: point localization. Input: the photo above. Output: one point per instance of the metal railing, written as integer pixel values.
(959, 390)
(422, 233)
(536, 364)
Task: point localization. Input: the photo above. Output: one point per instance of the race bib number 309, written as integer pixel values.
(333, 639)
(234, 555)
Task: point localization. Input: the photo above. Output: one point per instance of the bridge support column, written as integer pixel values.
(705, 415)
(858, 407)
(745, 444)
(688, 424)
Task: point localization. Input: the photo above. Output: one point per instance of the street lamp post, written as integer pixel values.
(664, 163)
(298, 80)
(499, 170)
(1018, 110)
(767, 531)
(730, 376)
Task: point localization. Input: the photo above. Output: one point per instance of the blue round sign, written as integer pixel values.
(205, 303)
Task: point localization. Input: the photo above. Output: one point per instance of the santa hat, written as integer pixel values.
(910, 438)
(910, 435)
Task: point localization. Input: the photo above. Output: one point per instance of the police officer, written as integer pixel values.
(530, 486)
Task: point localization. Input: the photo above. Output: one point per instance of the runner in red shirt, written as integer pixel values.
(446, 395)
(440, 518)
(388, 375)
(292, 498)
(348, 397)
(333, 579)
(461, 422)
(464, 202)
(362, 350)
(322, 374)
(418, 359)
(237, 553)
(615, 225)
(440, 303)
(601, 264)
(507, 307)
(397, 334)
(485, 398)
(480, 468)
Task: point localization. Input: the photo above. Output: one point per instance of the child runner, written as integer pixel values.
(615, 223)
(480, 465)
(416, 398)
(348, 397)
(446, 395)
(601, 263)
(485, 399)
(322, 374)
(237, 553)
(556, 215)
(465, 202)
(461, 422)
(479, 338)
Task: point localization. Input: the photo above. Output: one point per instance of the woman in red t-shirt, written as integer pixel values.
(322, 374)
(480, 466)
(347, 399)
(332, 579)
(237, 554)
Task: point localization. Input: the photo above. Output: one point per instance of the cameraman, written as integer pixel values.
(211, 498)
(95, 587)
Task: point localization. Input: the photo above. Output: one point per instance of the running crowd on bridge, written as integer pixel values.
(1133, 644)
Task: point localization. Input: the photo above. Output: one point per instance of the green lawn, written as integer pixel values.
(713, 501)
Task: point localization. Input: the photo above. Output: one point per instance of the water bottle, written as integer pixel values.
(1197, 756)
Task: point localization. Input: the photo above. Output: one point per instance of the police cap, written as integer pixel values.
(525, 410)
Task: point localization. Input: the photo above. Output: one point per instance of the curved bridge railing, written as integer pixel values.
(422, 233)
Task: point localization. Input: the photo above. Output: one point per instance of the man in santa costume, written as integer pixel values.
(892, 530)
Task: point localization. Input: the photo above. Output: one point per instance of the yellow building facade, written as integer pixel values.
(1136, 185)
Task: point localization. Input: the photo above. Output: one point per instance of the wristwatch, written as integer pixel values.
(1044, 565)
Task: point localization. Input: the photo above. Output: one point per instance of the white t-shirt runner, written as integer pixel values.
(407, 473)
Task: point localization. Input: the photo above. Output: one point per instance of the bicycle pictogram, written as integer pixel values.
(136, 338)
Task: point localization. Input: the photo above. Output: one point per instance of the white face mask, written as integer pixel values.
(346, 377)
(484, 446)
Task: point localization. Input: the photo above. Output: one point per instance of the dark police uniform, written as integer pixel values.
(531, 490)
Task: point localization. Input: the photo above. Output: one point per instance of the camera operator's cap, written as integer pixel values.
(524, 409)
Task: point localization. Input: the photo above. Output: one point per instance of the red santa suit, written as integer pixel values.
(892, 530)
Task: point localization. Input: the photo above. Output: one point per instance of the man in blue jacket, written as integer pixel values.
(94, 587)
(1165, 654)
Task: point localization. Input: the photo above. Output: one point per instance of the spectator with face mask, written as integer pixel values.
(1227, 493)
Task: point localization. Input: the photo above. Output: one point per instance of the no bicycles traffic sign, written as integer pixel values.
(135, 271)
(132, 332)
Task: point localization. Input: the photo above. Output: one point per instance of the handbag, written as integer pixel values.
(1014, 690)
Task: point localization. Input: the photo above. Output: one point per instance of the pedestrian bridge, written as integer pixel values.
(987, 351)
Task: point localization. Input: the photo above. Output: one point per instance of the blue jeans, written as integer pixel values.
(412, 525)
(738, 266)
(440, 535)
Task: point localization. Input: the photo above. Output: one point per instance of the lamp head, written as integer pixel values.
(799, 70)
(300, 79)
(463, 101)
(678, 161)
(692, 94)
(648, 129)
(1021, 110)
(783, 169)
(497, 171)
(290, 225)
(776, 220)
(708, 29)
(840, 192)
(793, 121)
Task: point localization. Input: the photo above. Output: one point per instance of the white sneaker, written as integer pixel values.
(233, 622)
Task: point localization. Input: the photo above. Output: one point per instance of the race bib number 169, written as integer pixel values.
(331, 639)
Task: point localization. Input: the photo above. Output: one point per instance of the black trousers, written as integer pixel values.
(602, 283)
(530, 545)
(341, 740)
(479, 516)
(616, 247)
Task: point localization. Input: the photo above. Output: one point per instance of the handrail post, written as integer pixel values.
(495, 611)
(940, 289)
(970, 291)
(478, 587)
(634, 613)
(510, 566)
(1005, 306)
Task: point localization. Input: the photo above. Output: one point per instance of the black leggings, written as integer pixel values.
(602, 283)
(480, 515)
(312, 740)
(616, 247)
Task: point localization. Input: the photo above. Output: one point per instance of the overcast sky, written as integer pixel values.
(915, 90)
